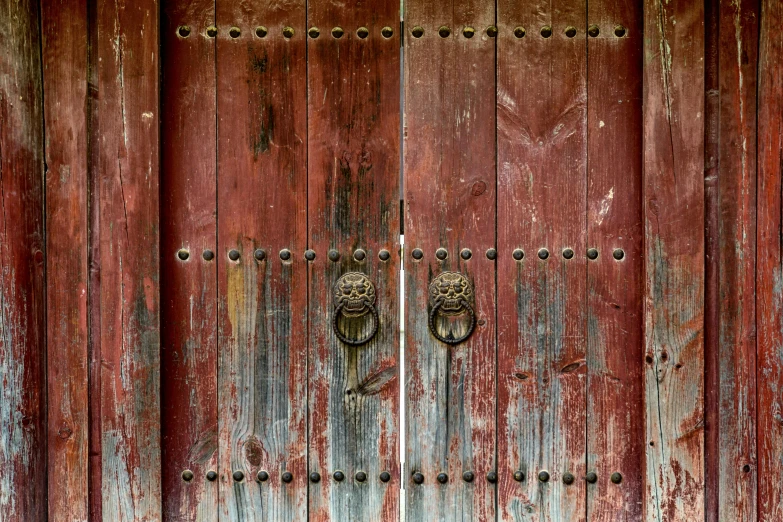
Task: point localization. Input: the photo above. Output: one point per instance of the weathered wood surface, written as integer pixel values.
(64, 51)
(22, 305)
(262, 303)
(542, 149)
(450, 180)
(615, 358)
(353, 200)
(674, 260)
(188, 228)
(769, 290)
(126, 178)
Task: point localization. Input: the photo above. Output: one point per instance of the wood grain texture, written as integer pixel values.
(188, 222)
(737, 63)
(450, 197)
(542, 303)
(353, 200)
(22, 305)
(127, 139)
(769, 290)
(262, 205)
(674, 259)
(64, 51)
(615, 346)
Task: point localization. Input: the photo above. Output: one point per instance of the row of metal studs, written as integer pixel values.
(518, 254)
(287, 477)
(184, 31)
(519, 476)
(492, 31)
(359, 255)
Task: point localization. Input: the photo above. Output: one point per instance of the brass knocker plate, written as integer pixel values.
(354, 300)
(450, 295)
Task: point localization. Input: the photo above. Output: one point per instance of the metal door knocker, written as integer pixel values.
(354, 297)
(450, 296)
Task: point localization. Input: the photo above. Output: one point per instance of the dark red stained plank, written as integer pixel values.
(64, 48)
(22, 305)
(542, 303)
(262, 303)
(736, 248)
(353, 201)
(127, 183)
(674, 260)
(769, 294)
(188, 228)
(615, 345)
(450, 180)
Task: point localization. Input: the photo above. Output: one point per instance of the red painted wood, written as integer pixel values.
(22, 327)
(127, 139)
(674, 260)
(542, 304)
(769, 279)
(64, 51)
(450, 197)
(353, 201)
(262, 205)
(189, 287)
(615, 346)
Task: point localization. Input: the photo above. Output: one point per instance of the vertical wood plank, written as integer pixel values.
(674, 259)
(769, 291)
(450, 204)
(189, 285)
(64, 51)
(22, 305)
(736, 248)
(542, 104)
(353, 197)
(615, 359)
(128, 163)
(262, 299)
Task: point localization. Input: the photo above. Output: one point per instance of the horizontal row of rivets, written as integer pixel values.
(492, 31)
(359, 255)
(518, 254)
(184, 31)
(519, 476)
(287, 477)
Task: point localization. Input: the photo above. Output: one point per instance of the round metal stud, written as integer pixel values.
(233, 255)
(568, 253)
(492, 477)
(444, 31)
(593, 31)
(519, 476)
(418, 31)
(570, 31)
(492, 254)
(519, 32)
(212, 475)
(417, 253)
(288, 32)
(261, 31)
(212, 31)
(238, 476)
(359, 255)
(259, 254)
(441, 253)
(546, 31)
(468, 32)
(618, 254)
(314, 32)
(418, 478)
(362, 33)
(443, 478)
(183, 31)
(334, 255)
(310, 255)
(338, 32)
(287, 477)
(616, 478)
(518, 254)
(285, 254)
(385, 476)
(262, 476)
(384, 255)
(568, 478)
(234, 32)
(187, 475)
(183, 254)
(466, 254)
(492, 31)
(619, 31)
(339, 476)
(543, 476)
(360, 476)
(592, 253)
(591, 477)
(387, 32)
(315, 477)
(468, 476)
(543, 253)
(208, 255)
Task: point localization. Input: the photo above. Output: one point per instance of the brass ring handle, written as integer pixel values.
(458, 340)
(354, 342)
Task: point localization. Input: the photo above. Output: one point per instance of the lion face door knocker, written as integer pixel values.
(354, 303)
(450, 296)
